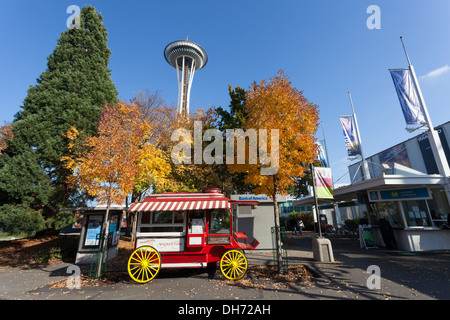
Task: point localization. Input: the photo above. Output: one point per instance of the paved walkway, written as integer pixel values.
(403, 276)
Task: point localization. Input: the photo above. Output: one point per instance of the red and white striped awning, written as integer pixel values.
(180, 202)
(180, 205)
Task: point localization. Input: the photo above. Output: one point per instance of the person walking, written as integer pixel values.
(300, 226)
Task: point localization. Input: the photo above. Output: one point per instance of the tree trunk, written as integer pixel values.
(277, 227)
(134, 216)
(103, 245)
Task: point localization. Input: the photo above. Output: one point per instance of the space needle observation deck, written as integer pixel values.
(186, 57)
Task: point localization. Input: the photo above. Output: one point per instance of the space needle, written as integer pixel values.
(186, 57)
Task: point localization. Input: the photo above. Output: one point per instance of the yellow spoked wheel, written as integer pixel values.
(233, 265)
(144, 264)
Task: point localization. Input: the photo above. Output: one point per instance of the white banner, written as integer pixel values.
(351, 141)
(408, 98)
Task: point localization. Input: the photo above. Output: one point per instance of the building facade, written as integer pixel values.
(406, 191)
(257, 220)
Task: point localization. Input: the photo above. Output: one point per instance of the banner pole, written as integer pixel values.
(316, 204)
(365, 169)
(433, 136)
(325, 145)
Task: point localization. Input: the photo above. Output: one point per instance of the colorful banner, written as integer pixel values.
(324, 182)
(351, 141)
(408, 98)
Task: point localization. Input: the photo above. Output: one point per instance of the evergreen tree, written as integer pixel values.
(70, 92)
(235, 118)
(233, 182)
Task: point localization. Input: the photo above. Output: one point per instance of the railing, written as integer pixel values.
(95, 271)
(283, 250)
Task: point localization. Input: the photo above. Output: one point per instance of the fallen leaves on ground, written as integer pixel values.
(263, 277)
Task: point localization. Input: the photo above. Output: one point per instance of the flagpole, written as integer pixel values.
(316, 204)
(433, 136)
(325, 145)
(365, 169)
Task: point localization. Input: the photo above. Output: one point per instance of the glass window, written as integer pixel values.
(162, 221)
(389, 211)
(395, 214)
(245, 210)
(439, 208)
(162, 229)
(416, 213)
(145, 218)
(196, 222)
(161, 217)
(178, 217)
(219, 222)
(373, 213)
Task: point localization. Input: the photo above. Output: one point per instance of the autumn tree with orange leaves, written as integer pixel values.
(165, 121)
(119, 158)
(281, 109)
(6, 134)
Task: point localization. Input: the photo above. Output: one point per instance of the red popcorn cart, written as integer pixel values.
(187, 230)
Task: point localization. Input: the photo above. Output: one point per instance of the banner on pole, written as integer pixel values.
(351, 141)
(324, 182)
(321, 156)
(408, 98)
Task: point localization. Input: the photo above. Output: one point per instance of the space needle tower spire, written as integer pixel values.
(186, 57)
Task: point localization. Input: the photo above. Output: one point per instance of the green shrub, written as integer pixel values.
(352, 223)
(62, 219)
(65, 248)
(291, 221)
(20, 219)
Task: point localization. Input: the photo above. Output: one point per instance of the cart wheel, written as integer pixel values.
(144, 264)
(233, 265)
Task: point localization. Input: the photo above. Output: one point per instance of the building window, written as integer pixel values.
(416, 213)
(387, 210)
(245, 210)
(439, 208)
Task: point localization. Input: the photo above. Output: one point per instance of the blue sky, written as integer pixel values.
(324, 46)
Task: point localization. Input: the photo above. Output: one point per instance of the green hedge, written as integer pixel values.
(20, 219)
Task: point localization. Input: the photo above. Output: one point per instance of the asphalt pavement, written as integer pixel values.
(402, 276)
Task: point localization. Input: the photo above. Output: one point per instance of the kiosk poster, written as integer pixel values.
(367, 237)
(93, 229)
(113, 230)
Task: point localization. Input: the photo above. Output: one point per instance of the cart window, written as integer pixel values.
(219, 222)
(162, 217)
(145, 217)
(178, 217)
(162, 221)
